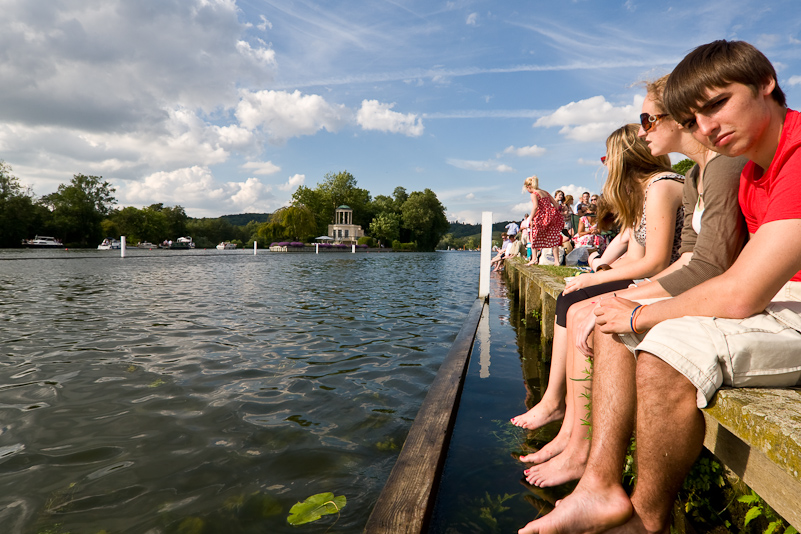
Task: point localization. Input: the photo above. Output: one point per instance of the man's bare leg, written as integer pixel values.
(552, 404)
(599, 502)
(670, 434)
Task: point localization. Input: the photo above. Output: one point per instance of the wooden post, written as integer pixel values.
(486, 254)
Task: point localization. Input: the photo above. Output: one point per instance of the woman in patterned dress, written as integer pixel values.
(547, 221)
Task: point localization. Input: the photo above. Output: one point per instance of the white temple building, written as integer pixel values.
(343, 230)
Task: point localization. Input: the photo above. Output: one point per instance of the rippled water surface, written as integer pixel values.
(201, 392)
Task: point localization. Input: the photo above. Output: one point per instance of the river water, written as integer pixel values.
(209, 391)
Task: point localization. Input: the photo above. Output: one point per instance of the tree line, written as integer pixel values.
(83, 212)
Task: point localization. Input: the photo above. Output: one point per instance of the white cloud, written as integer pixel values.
(794, 80)
(471, 165)
(283, 115)
(592, 119)
(195, 186)
(521, 209)
(293, 182)
(262, 55)
(252, 196)
(261, 167)
(264, 23)
(374, 115)
(470, 196)
(530, 151)
(472, 19)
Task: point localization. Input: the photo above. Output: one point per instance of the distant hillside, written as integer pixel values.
(243, 218)
(466, 230)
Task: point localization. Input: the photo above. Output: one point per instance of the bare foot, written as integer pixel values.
(589, 510)
(560, 469)
(554, 447)
(540, 415)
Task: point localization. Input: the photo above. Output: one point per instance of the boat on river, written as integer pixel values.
(146, 244)
(182, 243)
(226, 246)
(110, 244)
(42, 241)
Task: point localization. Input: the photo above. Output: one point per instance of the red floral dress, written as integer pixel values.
(546, 225)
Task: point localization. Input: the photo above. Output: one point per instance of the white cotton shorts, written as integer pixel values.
(763, 350)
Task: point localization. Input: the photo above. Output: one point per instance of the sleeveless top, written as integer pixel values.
(641, 229)
(698, 213)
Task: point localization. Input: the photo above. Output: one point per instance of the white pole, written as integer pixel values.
(317, 248)
(255, 246)
(486, 254)
(122, 246)
(353, 249)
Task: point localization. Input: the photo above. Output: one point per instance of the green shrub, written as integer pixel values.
(366, 240)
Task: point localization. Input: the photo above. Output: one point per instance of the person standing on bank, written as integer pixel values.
(546, 220)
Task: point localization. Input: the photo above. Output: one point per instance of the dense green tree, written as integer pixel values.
(79, 207)
(21, 217)
(424, 216)
(298, 222)
(208, 232)
(385, 227)
(683, 166)
(335, 190)
(400, 195)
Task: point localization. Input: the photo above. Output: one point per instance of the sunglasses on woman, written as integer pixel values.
(647, 120)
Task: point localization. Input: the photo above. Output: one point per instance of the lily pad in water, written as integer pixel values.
(315, 507)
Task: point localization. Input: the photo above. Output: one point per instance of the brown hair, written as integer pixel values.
(717, 64)
(630, 164)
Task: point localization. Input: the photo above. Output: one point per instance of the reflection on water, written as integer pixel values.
(201, 392)
(482, 488)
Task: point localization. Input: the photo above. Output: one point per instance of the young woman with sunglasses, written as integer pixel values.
(707, 250)
(645, 195)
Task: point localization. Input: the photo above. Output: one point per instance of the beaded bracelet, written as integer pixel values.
(634, 319)
(631, 321)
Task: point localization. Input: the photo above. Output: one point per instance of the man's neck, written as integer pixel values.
(765, 149)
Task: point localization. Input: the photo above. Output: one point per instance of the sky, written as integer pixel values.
(227, 106)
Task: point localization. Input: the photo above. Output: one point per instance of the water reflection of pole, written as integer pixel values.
(483, 335)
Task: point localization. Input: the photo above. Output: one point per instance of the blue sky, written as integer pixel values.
(226, 106)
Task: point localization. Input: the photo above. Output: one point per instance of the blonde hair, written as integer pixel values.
(656, 89)
(532, 182)
(568, 200)
(630, 165)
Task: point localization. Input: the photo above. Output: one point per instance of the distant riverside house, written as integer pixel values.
(343, 230)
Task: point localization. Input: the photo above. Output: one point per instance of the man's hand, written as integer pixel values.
(613, 315)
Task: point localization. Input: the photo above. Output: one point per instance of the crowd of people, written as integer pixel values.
(684, 294)
(553, 227)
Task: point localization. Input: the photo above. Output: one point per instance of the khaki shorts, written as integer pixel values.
(763, 350)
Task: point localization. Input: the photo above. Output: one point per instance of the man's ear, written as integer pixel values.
(767, 88)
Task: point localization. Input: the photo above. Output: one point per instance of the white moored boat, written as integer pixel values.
(226, 246)
(110, 244)
(42, 241)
